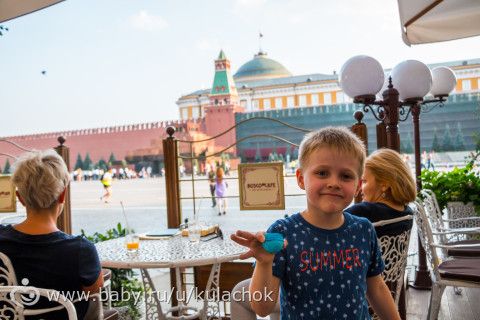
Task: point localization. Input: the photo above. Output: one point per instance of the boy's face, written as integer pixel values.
(330, 179)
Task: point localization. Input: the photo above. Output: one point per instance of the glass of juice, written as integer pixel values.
(132, 242)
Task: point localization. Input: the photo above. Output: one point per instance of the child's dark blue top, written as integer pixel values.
(323, 272)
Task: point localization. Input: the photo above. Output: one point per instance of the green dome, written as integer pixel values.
(261, 67)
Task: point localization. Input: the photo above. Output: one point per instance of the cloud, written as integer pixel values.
(147, 22)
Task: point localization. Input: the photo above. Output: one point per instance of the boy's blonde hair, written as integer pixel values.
(340, 139)
(40, 178)
(388, 168)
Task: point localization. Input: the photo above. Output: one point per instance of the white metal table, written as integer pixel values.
(175, 252)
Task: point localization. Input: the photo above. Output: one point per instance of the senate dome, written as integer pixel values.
(261, 67)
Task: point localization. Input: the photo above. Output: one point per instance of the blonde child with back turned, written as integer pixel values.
(331, 262)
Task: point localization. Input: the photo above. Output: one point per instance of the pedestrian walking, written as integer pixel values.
(106, 181)
(221, 187)
(212, 182)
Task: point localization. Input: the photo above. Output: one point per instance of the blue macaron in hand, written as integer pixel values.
(273, 242)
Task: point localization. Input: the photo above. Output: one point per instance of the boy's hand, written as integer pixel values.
(254, 243)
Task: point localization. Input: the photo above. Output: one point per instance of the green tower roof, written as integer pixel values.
(222, 56)
(223, 82)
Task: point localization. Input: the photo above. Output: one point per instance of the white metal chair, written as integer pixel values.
(394, 254)
(462, 215)
(9, 279)
(15, 302)
(454, 235)
(456, 227)
(453, 272)
(7, 273)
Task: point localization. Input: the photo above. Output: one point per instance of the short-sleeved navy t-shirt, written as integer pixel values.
(377, 211)
(53, 261)
(323, 272)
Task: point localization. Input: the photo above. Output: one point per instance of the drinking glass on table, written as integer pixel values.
(194, 231)
(132, 242)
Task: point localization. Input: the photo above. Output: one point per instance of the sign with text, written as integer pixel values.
(261, 186)
(8, 200)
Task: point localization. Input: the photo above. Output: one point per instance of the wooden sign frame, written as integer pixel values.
(8, 198)
(261, 186)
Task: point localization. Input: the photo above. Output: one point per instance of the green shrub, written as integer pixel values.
(460, 184)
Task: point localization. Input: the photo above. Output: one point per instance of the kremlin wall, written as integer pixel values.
(262, 87)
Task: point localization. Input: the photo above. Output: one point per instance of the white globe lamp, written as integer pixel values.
(412, 79)
(361, 76)
(444, 81)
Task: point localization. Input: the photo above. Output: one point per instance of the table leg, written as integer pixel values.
(153, 308)
(212, 310)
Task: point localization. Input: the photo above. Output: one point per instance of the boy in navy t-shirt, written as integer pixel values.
(331, 262)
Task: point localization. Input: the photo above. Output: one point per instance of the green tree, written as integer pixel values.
(406, 145)
(459, 140)
(102, 164)
(435, 143)
(79, 163)
(6, 169)
(87, 162)
(447, 139)
(112, 159)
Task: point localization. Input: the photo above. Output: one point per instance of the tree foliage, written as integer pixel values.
(79, 162)
(435, 143)
(447, 144)
(111, 159)
(459, 140)
(87, 162)
(6, 169)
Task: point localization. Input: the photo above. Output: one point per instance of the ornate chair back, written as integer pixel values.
(426, 237)
(7, 273)
(462, 214)
(432, 209)
(16, 300)
(434, 214)
(394, 254)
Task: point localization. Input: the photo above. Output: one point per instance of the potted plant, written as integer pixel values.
(458, 185)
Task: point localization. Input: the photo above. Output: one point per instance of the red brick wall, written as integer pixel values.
(99, 143)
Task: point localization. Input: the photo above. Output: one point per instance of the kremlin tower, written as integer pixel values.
(223, 104)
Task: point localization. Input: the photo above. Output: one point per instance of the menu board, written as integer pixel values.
(8, 201)
(261, 186)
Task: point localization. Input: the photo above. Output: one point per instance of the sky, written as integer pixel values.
(112, 62)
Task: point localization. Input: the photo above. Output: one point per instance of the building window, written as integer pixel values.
(255, 105)
(327, 98)
(195, 112)
(243, 103)
(278, 103)
(266, 104)
(290, 102)
(302, 100)
(314, 99)
(466, 85)
(184, 113)
(340, 97)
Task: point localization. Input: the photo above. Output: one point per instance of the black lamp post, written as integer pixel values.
(362, 78)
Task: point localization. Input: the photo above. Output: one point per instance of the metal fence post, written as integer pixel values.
(64, 221)
(170, 152)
